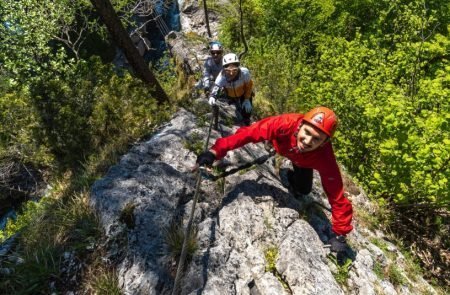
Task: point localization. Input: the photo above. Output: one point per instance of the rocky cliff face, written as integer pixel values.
(251, 235)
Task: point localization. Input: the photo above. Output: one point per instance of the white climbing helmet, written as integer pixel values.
(215, 46)
(230, 58)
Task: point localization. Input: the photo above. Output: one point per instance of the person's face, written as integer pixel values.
(216, 55)
(231, 70)
(310, 138)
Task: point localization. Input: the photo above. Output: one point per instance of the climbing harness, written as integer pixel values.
(191, 218)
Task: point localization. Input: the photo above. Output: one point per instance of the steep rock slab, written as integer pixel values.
(234, 229)
(239, 222)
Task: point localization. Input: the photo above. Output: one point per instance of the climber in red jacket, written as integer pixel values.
(305, 140)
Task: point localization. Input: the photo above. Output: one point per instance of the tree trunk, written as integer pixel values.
(123, 41)
(205, 9)
(244, 41)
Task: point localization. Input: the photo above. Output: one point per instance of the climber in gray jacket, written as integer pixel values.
(212, 66)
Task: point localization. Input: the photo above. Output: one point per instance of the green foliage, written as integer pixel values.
(86, 106)
(40, 266)
(395, 276)
(30, 211)
(392, 103)
(59, 104)
(383, 67)
(342, 273)
(70, 115)
(277, 70)
(47, 228)
(304, 19)
(18, 126)
(60, 222)
(165, 71)
(231, 26)
(33, 30)
(378, 270)
(195, 143)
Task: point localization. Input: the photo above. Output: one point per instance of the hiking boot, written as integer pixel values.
(286, 176)
(291, 187)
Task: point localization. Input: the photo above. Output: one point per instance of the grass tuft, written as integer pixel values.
(100, 279)
(174, 236)
(195, 143)
(342, 270)
(395, 276)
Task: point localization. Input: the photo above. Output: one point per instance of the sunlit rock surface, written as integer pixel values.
(238, 221)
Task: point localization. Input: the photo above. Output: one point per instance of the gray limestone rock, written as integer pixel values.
(239, 221)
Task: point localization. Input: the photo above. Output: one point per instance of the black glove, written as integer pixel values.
(206, 159)
(338, 244)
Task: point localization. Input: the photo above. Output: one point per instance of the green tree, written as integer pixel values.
(383, 67)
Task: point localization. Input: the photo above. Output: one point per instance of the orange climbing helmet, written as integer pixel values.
(322, 118)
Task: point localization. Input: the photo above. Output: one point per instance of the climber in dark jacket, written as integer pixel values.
(305, 140)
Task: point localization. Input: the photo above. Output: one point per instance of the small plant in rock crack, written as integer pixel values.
(378, 269)
(271, 255)
(174, 236)
(202, 121)
(195, 143)
(342, 269)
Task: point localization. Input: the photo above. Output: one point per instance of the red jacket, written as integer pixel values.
(281, 131)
